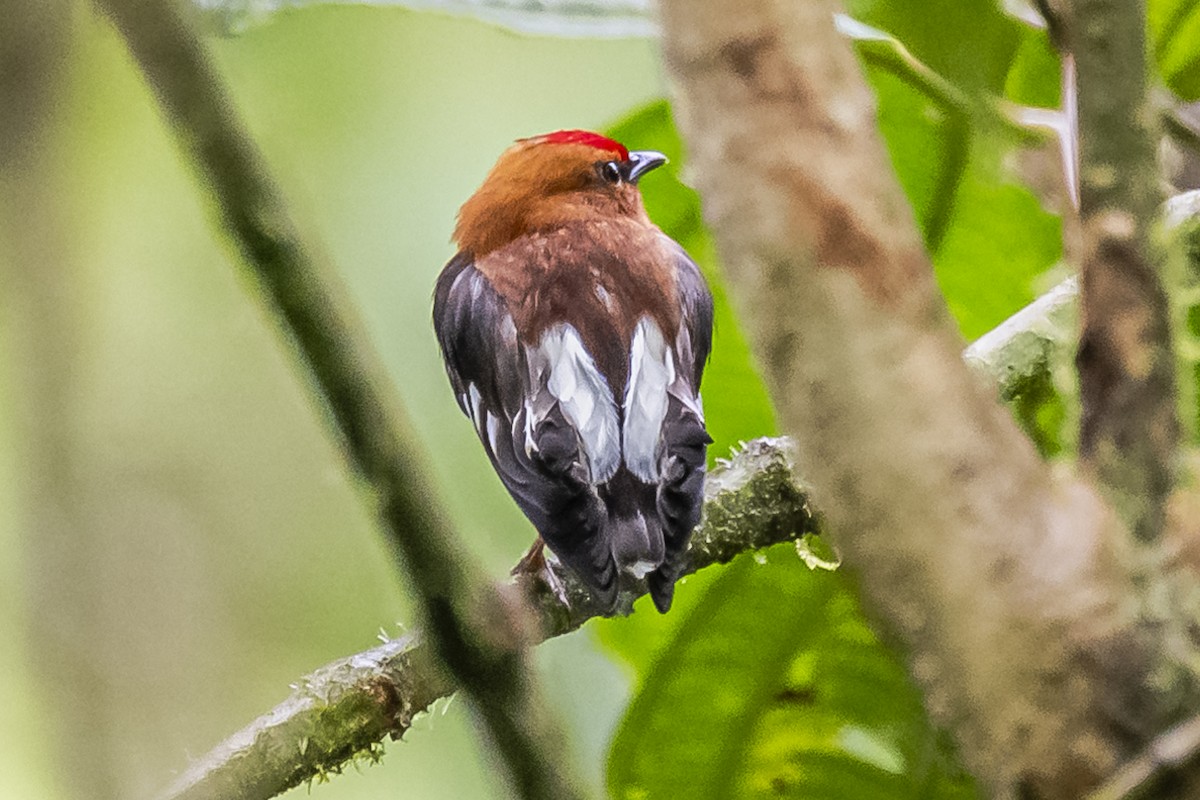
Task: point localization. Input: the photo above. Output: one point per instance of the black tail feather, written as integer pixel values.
(680, 496)
(575, 518)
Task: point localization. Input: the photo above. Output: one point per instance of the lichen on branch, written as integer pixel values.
(1129, 427)
(344, 710)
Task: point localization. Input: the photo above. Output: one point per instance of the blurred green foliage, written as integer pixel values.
(993, 237)
(774, 686)
(1174, 32)
(224, 553)
(970, 43)
(231, 554)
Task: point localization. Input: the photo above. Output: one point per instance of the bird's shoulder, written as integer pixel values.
(618, 269)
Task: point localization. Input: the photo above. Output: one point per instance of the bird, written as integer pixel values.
(575, 335)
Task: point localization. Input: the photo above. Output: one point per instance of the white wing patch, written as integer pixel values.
(493, 431)
(651, 371)
(584, 397)
(475, 400)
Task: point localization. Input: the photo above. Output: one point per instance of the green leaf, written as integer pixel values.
(998, 243)
(932, 126)
(989, 237)
(687, 731)
(775, 687)
(1174, 27)
(968, 42)
(920, 101)
(566, 18)
(1035, 75)
(928, 140)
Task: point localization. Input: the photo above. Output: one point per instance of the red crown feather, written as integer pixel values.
(584, 137)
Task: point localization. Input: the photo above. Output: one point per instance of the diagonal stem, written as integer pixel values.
(1129, 428)
(343, 711)
(478, 631)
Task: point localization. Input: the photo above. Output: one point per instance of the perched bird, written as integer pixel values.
(575, 335)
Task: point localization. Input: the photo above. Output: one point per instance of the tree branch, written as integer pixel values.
(1128, 428)
(477, 630)
(1175, 751)
(344, 710)
(965, 544)
(1018, 353)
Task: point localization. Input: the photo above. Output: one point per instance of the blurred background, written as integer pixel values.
(178, 538)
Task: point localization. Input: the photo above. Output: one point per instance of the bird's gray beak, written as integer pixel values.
(642, 161)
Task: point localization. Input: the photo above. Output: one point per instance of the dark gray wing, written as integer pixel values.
(479, 343)
(697, 303)
(680, 495)
(532, 446)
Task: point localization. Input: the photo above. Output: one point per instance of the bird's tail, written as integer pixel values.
(634, 531)
(637, 543)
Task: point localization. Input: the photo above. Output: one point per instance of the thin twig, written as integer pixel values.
(344, 710)
(1174, 751)
(1055, 25)
(475, 628)
(1180, 129)
(1129, 428)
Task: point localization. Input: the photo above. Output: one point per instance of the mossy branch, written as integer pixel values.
(1017, 353)
(345, 710)
(1129, 428)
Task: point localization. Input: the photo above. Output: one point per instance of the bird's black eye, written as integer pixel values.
(611, 172)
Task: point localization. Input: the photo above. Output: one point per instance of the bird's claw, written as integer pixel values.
(554, 583)
(536, 564)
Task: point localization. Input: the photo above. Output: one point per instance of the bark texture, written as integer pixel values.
(1014, 593)
(1129, 428)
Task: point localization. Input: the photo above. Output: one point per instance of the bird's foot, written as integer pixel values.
(535, 563)
(554, 583)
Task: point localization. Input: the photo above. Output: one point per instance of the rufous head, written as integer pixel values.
(548, 181)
